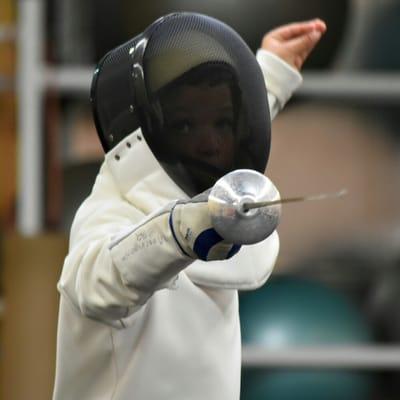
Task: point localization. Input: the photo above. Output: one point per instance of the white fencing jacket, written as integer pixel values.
(138, 320)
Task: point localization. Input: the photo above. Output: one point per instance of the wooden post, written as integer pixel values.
(31, 268)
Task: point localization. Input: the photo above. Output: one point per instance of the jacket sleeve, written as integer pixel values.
(280, 78)
(118, 257)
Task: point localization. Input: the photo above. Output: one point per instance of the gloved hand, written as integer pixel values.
(192, 229)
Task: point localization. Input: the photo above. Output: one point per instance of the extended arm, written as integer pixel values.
(119, 257)
(281, 56)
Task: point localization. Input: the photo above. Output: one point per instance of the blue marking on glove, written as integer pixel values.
(205, 241)
(171, 226)
(235, 248)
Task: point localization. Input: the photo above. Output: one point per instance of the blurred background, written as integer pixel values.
(327, 325)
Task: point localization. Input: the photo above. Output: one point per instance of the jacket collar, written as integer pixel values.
(139, 176)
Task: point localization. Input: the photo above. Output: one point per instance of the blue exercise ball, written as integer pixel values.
(290, 312)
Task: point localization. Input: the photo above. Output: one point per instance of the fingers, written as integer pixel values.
(293, 30)
(319, 25)
(294, 42)
(303, 44)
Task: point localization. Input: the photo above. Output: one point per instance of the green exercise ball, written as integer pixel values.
(290, 312)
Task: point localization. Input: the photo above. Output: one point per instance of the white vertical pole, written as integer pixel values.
(30, 40)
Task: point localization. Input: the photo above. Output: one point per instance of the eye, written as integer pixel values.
(181, 126)
(225, 123)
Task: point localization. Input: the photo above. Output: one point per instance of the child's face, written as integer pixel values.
(200, 123)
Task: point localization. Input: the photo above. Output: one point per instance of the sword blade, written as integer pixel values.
(297, 199)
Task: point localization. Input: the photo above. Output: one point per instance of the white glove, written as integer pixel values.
(192, 229)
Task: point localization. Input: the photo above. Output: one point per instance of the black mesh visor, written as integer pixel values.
(207, 96)
(213, 100)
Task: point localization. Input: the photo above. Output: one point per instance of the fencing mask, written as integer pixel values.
(197, 92)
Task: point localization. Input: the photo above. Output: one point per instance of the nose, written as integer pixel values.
(209, 142)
